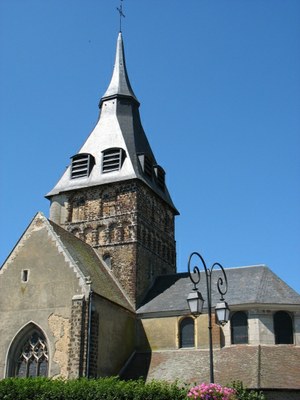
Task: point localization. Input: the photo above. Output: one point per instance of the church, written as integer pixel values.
(93, 290)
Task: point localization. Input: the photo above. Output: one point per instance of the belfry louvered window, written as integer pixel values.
(160, 176)
(82, 165)
(146, 164)
(112, 159)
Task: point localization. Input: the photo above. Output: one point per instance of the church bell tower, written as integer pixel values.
(113, 195)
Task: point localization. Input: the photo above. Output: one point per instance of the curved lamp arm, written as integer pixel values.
(222, 281)
(195, 276)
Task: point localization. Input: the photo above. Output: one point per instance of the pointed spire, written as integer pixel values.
(119, 84)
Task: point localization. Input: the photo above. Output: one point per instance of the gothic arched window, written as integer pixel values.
(29, 355)
(239, 328)
(187, 332)
(283, 328)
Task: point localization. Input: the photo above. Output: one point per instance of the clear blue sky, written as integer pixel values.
(219, 86)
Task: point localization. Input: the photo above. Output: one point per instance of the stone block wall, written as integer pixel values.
(297, 328)
(94, 344)
(164, 334)
(115, 328)
(78, 345)
(261, 327)
(128, 224)
(43, 300)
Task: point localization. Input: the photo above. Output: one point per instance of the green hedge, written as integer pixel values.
(84, 389)
(102, 389)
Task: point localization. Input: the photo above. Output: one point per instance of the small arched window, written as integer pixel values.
(239, 328)
(187, 332)
(283, 328)
(107, 260)
(29, 354)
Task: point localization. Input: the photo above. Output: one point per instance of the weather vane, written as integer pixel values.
(120, 9)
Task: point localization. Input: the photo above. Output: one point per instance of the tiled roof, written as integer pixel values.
(246, 285)
(258, 367)
(91, 265)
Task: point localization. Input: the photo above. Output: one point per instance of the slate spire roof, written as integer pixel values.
(119, 127)
(119, 84)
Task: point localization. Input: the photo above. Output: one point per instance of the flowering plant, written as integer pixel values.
(212, 391)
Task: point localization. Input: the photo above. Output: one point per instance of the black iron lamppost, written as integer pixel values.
(195, 300)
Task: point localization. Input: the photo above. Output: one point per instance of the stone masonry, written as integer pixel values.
(77, 346)
(130, 226)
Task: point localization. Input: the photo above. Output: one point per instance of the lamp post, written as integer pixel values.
(196, 301)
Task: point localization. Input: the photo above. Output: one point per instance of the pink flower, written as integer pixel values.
(212, 391)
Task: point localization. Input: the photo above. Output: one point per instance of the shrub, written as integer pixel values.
(115, 389)
(84, 389)
(246, 394)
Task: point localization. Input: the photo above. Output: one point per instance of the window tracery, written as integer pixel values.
(31, 359)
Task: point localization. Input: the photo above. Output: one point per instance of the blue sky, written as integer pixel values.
(219, 86)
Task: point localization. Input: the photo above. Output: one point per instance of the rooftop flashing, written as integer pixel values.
(248, 266)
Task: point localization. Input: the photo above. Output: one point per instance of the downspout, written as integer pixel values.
(88, 351)
(259, 367)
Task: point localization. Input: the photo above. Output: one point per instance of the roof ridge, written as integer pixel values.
(67, 253)
(262, 286)
(23, 236)
(248, 266)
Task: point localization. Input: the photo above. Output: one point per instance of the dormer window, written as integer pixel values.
(160, 176)
(82, 165)
(113, 159)
(146, 164)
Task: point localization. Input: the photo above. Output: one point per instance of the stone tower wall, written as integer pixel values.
(131, 228)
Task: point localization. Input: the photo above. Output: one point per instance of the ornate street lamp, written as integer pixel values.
(196, 301)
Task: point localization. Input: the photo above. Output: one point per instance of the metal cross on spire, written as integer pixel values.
(120, 9)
